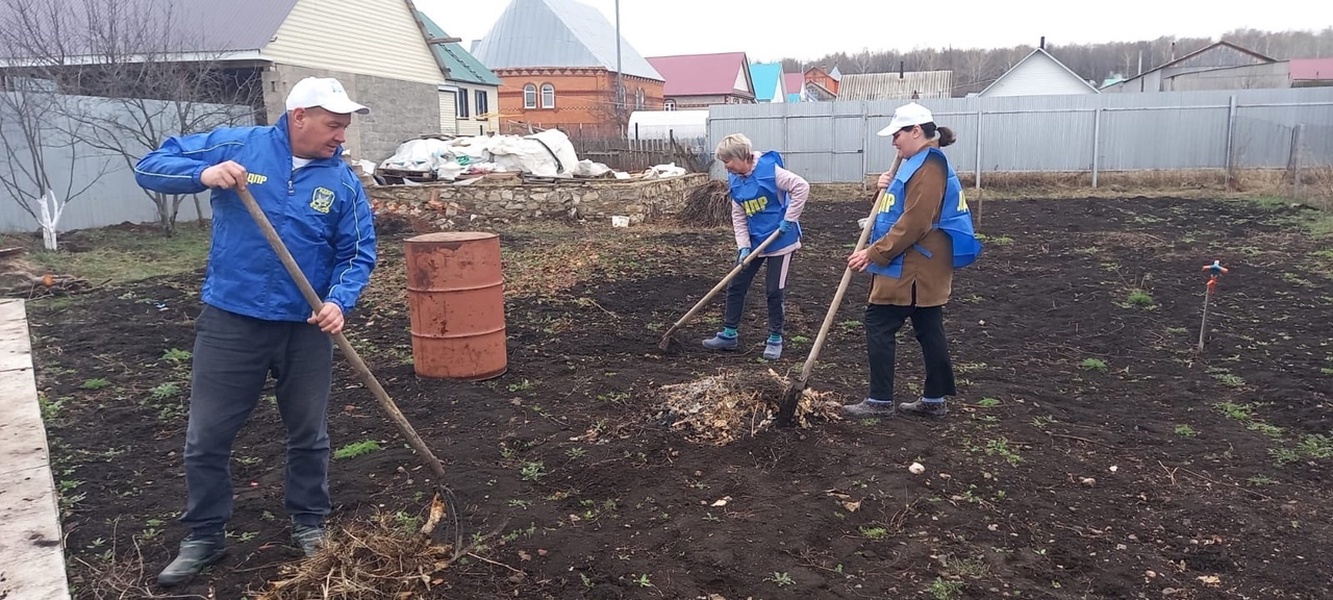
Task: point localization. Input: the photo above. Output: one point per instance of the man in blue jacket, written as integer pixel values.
(255, 320)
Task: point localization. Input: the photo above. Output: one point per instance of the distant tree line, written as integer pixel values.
(975, 68)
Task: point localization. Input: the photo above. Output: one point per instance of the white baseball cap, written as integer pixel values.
(907, 115)
(326, 93)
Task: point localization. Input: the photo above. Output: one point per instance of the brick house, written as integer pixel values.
(557, 61)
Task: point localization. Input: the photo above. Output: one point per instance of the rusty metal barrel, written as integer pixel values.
(455, 293)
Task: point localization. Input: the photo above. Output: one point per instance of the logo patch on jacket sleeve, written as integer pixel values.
(322, 200)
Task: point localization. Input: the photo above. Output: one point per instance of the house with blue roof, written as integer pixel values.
(769, 83)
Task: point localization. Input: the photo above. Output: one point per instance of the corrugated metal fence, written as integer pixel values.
(112, 195)
(831, 142)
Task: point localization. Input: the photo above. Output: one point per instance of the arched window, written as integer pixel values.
(638, 99)
(529, 96)
(548, 95)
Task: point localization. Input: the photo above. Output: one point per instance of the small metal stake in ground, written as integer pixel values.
(1214, 271)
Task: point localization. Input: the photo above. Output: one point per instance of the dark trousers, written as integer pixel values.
(775, 281)
(882, 324)
(233, 356)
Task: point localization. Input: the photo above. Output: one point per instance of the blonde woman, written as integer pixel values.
(765, 198)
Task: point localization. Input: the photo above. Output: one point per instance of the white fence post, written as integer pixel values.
(1231, 139)
(978, 167)
(1096, 143)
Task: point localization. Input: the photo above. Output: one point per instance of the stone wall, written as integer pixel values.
(447, 205)
(399, 110)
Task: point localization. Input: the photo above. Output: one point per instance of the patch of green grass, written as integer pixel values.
(166, 390)
(176, 356)
(1094, 364)
(988, 402)
(1000, 447)
(121, 255)
(1237, 412)
(874, 533)
(1260, 480)
(95, 383)
(1316, 446)
(532, 471)
(50, 408)
(780, 579)
(943, 589)
(1229, 379)
(1186, 431)
(1140, 299)
(356, 449)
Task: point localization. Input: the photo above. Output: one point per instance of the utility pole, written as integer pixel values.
(620, 77)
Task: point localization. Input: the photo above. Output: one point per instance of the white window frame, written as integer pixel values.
(529, 96)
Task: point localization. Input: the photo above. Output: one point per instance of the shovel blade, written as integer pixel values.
(790, 399)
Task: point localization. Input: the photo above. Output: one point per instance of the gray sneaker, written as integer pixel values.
(309, 538)
(721, 342)
(869, 408)
(196, 554)
(921, 408)
(773, 350)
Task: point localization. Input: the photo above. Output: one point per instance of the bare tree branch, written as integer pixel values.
(141, 73)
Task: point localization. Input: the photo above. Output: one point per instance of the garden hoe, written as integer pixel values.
(792, 396)
(666, 337)
(436, 467)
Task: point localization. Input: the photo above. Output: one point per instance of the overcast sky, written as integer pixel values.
(768, 30)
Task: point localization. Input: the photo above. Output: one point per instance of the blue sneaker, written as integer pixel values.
(722, 342)
(773, 348)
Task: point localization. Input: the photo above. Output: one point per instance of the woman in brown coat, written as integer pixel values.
(922, 232)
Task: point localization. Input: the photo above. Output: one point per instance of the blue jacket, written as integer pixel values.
(955, 218)
(320, 212)
(765, 205)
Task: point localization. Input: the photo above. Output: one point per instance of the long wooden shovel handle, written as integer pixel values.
(721, 284)
(359, 365)
(846, 280)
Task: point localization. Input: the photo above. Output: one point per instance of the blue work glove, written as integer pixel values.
(741, 254)
(787, 226)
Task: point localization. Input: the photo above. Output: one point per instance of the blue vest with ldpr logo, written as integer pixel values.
(765, 205)
(955, 219)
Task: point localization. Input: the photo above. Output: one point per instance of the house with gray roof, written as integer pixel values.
(564, 67)
(256, 50)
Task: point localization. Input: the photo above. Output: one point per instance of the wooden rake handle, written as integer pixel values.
(846, 280)
(359, 365)
(720, 285)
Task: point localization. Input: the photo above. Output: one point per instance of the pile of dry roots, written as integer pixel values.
(708, 205)
(724, 407)
(379, 560)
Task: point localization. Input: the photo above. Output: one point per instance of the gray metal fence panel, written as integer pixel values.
(1211, 129)
(113, 197)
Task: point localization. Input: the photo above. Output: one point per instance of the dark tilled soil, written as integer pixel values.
(1091, 452)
